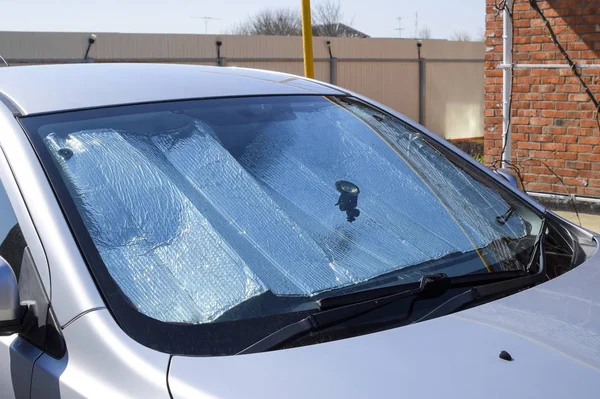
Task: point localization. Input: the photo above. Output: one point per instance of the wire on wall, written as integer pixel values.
(500, 7)
(572, 65)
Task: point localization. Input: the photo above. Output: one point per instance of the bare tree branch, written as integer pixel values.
(327, 20)
(460, 36)
(278, 21)
(480, 35)
(424, 33)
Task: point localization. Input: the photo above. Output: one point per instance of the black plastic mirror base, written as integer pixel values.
(40, 327)
(511, 176)
(9, 327)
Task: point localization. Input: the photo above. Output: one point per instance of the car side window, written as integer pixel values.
(12, 243)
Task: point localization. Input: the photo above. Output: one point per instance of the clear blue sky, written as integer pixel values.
(374, 17)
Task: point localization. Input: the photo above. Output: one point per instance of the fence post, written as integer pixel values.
(332, 64)
(220, 61)
(332, 70)
(422, 88)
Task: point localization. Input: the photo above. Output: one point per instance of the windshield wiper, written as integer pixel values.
(430, 286)
(338, 309)
(475, 294)
(467, 280)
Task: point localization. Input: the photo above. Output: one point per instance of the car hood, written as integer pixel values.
(552, 331)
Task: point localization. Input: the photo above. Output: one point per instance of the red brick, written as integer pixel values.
(541, 121)
(590, 140)
(529, 14)
(521, 104)
(520, 88)
(541, 154)
(549, 47)
(530, 129)
(527, 96)
(560, 105)
(541, 39)
(566, 155)
(553, 146)
(529, 47)
(528, 145)
(565, 139)
(528, 80)
(543, 56)
(550, 113)
(571, 181)
(593, 19)
(554, 80)
(517, 6)
(586, 123)
(542, 88)
(555, 130)
(588, 173)
(542, 187)
(583, 11)
(579, 114)
(579, 148)
(543, 72)
(555, 163)
(578, 97)
(570, 122)
(588, 55)
(526, 113)
(521, 23)
(577, 131)
(578, 46)
(568, 89)
(568, 38)
(556, 96)
(582, 156)
(522, 40)
(542, 104)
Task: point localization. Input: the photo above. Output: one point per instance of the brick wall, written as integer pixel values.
(553, 120)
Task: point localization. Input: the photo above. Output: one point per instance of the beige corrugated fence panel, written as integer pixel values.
(454, 100)
(384, 69)
(395, 84)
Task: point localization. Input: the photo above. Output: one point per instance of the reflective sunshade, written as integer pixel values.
(198, 207)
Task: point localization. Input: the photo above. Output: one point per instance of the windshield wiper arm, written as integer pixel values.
(468, 280)
(430, 286)
(475, 294)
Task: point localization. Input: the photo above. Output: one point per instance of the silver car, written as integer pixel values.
(194, 232)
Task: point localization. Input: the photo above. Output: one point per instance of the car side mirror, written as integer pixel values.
(12, 313)
(510, 176)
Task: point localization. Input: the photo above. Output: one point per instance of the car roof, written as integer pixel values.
(51, 88)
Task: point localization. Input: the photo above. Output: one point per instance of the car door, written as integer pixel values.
(21, 247)
(17, 355)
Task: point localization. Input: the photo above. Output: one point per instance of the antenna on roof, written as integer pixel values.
(399, 28)
(206, 19)
(3, 60)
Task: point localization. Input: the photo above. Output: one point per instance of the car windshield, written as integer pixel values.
(199, 208)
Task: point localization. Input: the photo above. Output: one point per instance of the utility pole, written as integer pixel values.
(399, 28)
(309, 66)
(206, 19)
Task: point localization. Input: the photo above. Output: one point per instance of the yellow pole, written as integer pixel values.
(309, 66)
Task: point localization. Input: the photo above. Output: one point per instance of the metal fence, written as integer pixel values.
(442, 87)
